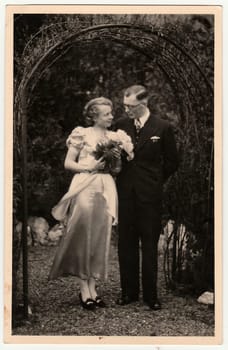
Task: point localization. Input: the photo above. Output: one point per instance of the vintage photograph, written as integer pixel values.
(113, 208)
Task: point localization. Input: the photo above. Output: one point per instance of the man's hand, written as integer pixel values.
(116, 152)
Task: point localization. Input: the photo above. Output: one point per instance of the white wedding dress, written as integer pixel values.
(88, 209)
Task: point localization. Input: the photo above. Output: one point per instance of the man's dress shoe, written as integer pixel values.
(154, 304)
(125, 299)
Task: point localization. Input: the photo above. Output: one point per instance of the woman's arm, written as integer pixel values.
(71, 163)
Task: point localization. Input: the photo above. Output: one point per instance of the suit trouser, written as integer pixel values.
(138, 220)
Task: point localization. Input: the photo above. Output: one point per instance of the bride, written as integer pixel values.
(89, 208)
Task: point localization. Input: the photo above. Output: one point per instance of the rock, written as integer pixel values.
(37, 230)
(39, 227)
(206, 298)
(55, 233)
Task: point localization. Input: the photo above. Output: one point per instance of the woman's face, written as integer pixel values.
(104, 117)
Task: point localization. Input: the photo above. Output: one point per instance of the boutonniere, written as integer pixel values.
(155, 138)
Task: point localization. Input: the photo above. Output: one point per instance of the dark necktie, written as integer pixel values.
(137, 129)
(137, 125)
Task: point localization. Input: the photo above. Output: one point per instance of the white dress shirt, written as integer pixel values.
(143, 119)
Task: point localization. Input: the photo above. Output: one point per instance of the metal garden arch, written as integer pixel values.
(179, 67)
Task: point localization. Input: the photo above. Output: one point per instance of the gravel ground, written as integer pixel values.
(56, 309)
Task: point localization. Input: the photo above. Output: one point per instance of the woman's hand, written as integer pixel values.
(92, 166)
(95, 165)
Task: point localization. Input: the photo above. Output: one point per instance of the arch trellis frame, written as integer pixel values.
(170, 56)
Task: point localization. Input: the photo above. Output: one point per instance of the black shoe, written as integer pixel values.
(99, 302)
(154, 304)
(89, 304)
(125, 299)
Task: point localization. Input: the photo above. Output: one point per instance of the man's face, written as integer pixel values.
(135, 111)
(133, 107)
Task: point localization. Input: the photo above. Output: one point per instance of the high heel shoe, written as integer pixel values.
(99, 302)
(88, 304)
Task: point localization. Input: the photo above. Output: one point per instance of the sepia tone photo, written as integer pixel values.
(114, 141)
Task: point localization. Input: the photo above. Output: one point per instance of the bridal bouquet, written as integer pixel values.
(116, 144)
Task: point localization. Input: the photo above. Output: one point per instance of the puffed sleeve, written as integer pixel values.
(76, 138)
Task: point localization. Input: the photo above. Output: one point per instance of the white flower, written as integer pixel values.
(124, 141)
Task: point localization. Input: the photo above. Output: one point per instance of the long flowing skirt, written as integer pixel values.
(84, 247)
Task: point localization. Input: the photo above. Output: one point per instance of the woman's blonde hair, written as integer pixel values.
(91, 111)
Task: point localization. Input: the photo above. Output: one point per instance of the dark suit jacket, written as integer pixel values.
(155, 159)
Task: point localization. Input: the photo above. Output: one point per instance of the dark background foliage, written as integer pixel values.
(91, 69)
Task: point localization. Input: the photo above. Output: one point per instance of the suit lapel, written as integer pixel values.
(146, 132)
(130, 130)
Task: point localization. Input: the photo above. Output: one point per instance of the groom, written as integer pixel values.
(139, 187)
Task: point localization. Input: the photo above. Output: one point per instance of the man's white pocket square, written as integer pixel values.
(155, 138)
